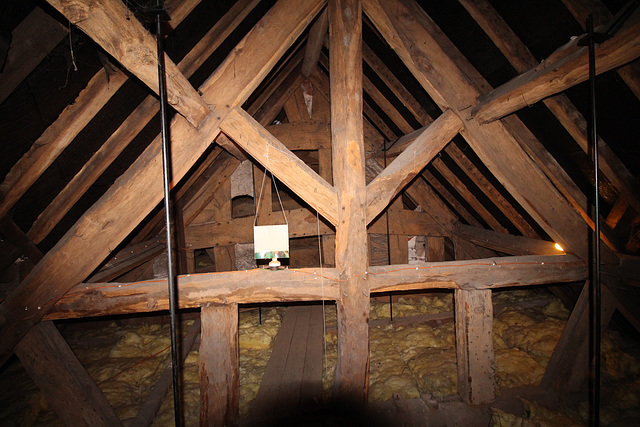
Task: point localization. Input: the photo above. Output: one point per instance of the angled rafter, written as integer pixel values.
(31, 42)
(139, 187)
(502, 242)
(402, 24)
(285, 165)
(407, 165)
(136, 121)
(107, 22)
(580, 10)
(566, 67)
(423, 117)
(522, 60)
(317, 35)
(66, 127)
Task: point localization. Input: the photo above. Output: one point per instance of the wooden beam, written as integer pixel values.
(307, 135)
(567, 114)
(16, 236)
(345, 34)
(107, 22)
(66, 127)
(485, 273)
(503, 242)
(252, 286)
(439, 188)
(568, 367)
(629, 73)
(55, 369)
(129, 258)
(467, 195)
(474, 346)
(71, 392)
(317, 34)
(492, 192)
(403, 24)
(302, 223)
(105, 225)
(564, 68)
(423, 117)
(285, 165)
(137, 120)
(246, 286)
(31, 42)
(219, 361)
(201, 198)
(153, 402)
(408, 164)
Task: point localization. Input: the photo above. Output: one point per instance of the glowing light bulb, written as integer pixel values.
(558, 247)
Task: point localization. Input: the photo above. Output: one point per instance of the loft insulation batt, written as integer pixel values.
(412, 360)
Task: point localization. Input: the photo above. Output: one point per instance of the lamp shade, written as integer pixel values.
(271, 241)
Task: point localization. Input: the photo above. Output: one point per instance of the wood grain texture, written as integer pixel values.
(137, 120)
(345, 34)
(278, 159)
(564, 68)
(449, 83)
(107, 23)
(219, 371)
(139, 187)
(71, 392)
(474, 346)
(407, 165)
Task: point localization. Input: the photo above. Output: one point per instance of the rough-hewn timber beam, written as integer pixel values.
(243, 287)
(414, 36)
(108, 23)
(345, 67)
(317, 34)
(71, 392)
(286, 166)
(69, 123)
(139, 189)
(219, 366)
(31, 42)
(484, 273)
(258, 285)
(566, 67)
(474, 346)
(573, 121)
(413, 159)
(137, 120)
(502, 242)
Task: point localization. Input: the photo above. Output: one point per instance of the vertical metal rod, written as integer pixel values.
(167, 215)
(596, 240)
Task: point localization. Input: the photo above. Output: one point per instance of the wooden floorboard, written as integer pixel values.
(292, 382)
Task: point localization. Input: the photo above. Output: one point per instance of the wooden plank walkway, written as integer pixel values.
(292, 382)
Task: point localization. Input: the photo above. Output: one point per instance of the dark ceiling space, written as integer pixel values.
(542, 25)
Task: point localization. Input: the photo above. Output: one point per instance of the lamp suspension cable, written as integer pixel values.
(166, 173)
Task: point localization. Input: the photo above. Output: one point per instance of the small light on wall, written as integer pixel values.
(558, 247)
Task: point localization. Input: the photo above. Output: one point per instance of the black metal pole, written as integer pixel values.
(167, 215)
(597, 332)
